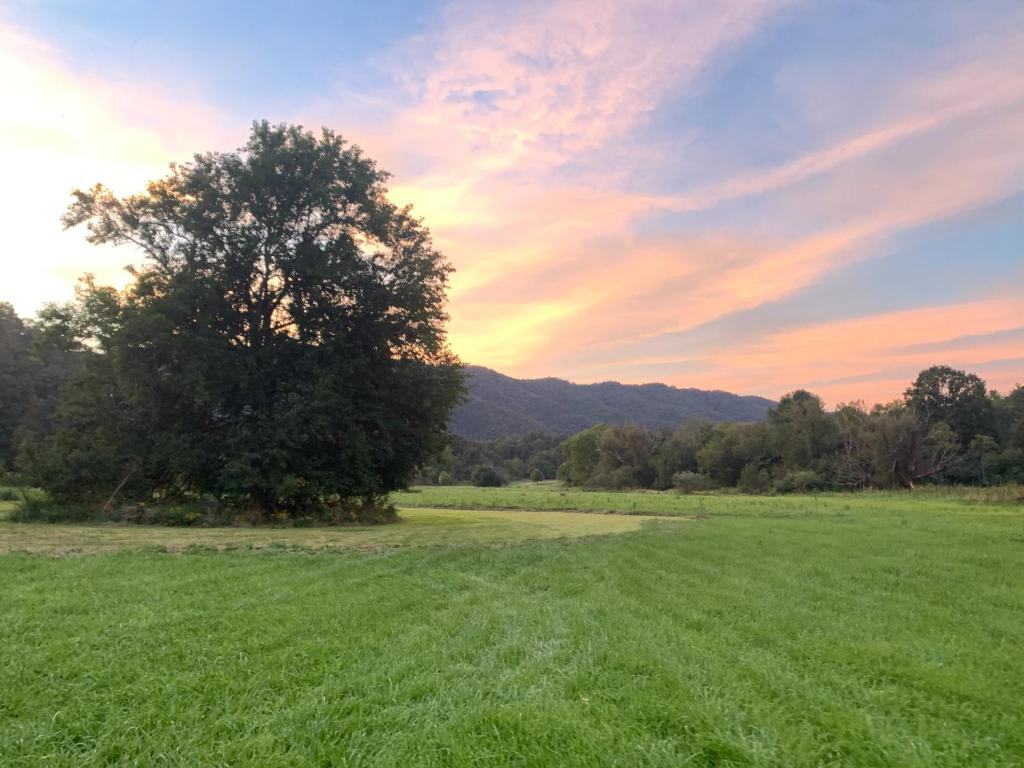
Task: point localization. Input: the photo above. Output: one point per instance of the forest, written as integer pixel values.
(947, 429)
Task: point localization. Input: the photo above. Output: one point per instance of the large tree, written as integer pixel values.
(281, 346)
(954, 397)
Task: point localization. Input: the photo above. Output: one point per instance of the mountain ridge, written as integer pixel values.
(498, 405)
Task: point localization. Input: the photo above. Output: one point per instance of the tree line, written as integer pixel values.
(947, 428)
(534, 456)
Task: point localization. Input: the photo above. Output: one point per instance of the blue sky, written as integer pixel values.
(752, 195)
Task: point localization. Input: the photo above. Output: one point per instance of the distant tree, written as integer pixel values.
(536, 475)
(905, 450)
(954, 397)
(581, 456)
(488, 477)
(625, 458)
(691, 482)
(854, 462)
(282, 345)
(444, 478)
(732, 447)
(515, 468)
(678, 452)
(983, 451)
(545, 465)
(800, 481)
(803, 435)
(754, 479)
(1009, 414)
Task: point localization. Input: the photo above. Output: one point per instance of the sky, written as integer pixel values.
(747, 195)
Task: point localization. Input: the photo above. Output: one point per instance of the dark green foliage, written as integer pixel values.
(956, 398)
(802, 447)
(626, 458)
(488, 477)
(730, 448)
(1009, 416)
(800, 481)
(982, 457)
(15, 381)
(515, 457)
(32, 374)
(754, 479)
(677, 453)
(891, 447)
(691, 482)
(199, 513)
(536, 476)
(581, 454)
(444, 478)
(802, 433)
(281, 348)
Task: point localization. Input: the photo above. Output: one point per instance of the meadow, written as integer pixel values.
(856, 630)
(551, 495)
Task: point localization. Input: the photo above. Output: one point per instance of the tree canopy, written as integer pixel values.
(281, 345)
(948, 428)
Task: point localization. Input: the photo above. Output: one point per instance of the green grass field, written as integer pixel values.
(553, 496)
(875, 630)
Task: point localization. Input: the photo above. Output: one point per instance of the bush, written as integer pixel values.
(754, 480)
(444, 478)
(536, 475)
(488, 477)
(691, 482)
(8, 494)
(204, 513)
(801, 481)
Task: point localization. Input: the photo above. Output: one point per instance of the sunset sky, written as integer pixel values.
(753, 196)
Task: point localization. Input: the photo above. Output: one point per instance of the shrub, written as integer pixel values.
(536, 475)
(754, 480)
(337, 511)
(444, 478)
(800, 481)
(488, 477)
(8, 494)
(691, 482)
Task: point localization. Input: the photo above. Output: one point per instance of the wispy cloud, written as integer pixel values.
(517, 130)
(525, 249)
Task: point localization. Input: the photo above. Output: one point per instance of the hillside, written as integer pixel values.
(498, 405)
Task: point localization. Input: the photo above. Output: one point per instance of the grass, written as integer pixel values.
(790, 631)
(419, 527)
(553, 496)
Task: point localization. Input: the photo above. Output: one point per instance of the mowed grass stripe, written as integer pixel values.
(417, 527)
(875, 639)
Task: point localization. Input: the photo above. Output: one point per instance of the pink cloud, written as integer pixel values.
(511, 135)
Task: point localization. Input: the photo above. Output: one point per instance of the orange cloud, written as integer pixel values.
(645, 288)
(517, 120)
(856, 358)
(60, 130)
(500, 104)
